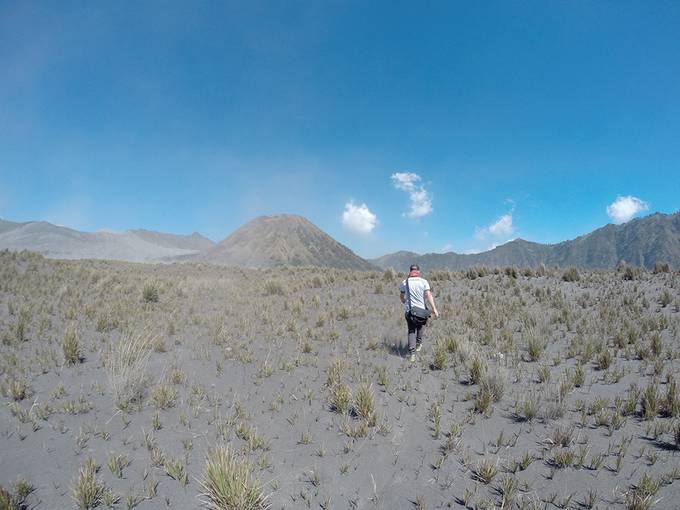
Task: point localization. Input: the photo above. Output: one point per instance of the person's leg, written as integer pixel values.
(411, 335)
(420, 335)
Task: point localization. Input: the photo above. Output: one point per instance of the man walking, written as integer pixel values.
(415, 293)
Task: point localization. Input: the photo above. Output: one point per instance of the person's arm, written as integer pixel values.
(430, 301)
(402, 296)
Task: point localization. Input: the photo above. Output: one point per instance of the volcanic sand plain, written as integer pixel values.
(537, 388)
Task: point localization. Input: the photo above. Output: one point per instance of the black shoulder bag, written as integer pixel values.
(416, 314)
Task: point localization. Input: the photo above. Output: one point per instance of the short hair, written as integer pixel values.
(414, 267)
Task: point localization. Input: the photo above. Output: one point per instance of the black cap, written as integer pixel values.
(414, 267)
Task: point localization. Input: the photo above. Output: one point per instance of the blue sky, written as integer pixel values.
(458, 125)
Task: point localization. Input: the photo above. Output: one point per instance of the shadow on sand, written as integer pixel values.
(395, 347)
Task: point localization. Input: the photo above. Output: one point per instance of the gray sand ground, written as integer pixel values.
(251, 351)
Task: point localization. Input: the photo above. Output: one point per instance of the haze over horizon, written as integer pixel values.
(436, 127)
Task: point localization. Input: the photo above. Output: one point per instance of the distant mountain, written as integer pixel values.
(284, 239)
(194, 242)
(642, 242)
(6, 226)
(64, 243)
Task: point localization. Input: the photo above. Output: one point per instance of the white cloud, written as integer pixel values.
(502, 227)
(624, 208)
(420, 199)
(358, 218)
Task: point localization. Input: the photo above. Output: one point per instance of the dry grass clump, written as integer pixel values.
(661, 267)
(72, 347)
(440, 356)
(163, 396)
(629, 272)
(87, 490)
(571, 275)
(16, 499)
(335, 371)
(508, 489)
(150, 293)
(383, 377)
(340, 398)
(641, 496)
(274, 288)
(491, 389)
(116, 464)
(15, 387)
(527, 408)
(226, 483)
(650, 400)
(126, 367)
(477, 370)
(250, 436)
(175, 469)
(364, 405)
(671, 402)
(535, 347)
(485, 470)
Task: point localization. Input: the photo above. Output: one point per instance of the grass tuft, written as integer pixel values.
(364, 405)
(87, 491)
(226, 483)
(126, 368)
(72, 347)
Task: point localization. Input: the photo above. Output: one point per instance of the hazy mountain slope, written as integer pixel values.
(195, 241)
(643, 242)
(6, 226)
(284, 239)
(398, 260)
(60, 242)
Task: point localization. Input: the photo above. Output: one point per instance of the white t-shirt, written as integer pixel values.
(416, 289)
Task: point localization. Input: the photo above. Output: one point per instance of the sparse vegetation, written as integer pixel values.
(573, 379)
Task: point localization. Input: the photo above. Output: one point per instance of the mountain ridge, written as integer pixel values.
(55, 241)
(641, 242)
(287, 239)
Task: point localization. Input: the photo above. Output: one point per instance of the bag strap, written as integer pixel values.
(408, 294)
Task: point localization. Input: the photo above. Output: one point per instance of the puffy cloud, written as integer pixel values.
(502, 227)
(358, 218)
(623, 209)
(419, 198)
